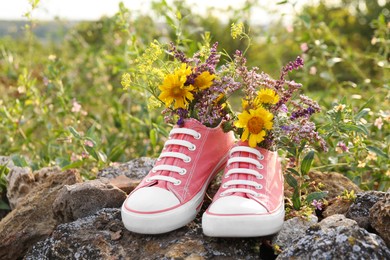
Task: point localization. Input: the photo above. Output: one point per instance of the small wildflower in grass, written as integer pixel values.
(88, 143)
(126, 80)
(313, 70)
(52, 57)
(378, 123)
(255, 124)
(84, 155)
(304, 47)
(371, 156)
(339, 107)
(236, 30)
(361, 164)
(76, 107)
(341, 147)
(317, 204)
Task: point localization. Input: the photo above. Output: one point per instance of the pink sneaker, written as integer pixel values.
(170, 196)
(250, 200)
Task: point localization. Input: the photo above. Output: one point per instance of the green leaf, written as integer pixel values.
(74, 132)
(378, 151)
(296, 199)
(355, 128)
(306, 162)
(282, 2)
(102, 156)
(291, 181)
(306, 19)
(317, 195)
(362, 113)
(4, 205)
(92, 152)
(292, 170)
(19, 161)
(153, 137)
(76, 164)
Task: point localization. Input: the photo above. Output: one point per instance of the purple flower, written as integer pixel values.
(342, 146)
(183, 114)
(317, 204)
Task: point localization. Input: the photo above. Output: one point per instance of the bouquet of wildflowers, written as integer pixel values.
(273, 114)
(196, 90)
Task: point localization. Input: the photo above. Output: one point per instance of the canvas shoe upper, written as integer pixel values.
(172, 193)
(250, 200)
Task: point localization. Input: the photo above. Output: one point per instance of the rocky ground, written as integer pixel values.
(56, 215)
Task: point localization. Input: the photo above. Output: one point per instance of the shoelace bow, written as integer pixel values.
(245, 171)
(178, 155)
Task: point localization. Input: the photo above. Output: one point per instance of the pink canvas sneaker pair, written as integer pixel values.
(248, 203)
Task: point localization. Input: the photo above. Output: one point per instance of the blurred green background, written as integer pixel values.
(62, 102)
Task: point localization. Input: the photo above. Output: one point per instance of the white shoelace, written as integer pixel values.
(238, 170)
(178, 155)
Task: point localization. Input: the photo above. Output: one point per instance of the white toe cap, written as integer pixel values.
(151, 199)
(236, 205)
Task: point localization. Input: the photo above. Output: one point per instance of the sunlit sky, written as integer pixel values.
(94, 9)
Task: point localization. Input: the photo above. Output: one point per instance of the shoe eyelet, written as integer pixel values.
(222, 194)
(197, 137)
(187, 159)
(177, 183)
(159, 159)
(260, 177)
(224, 186)
(148, 180)
(259, 187)
(227, 176)
(154, 171)
(260, 167)
(257, 195)
(261, 157)
(192, 148)
(183, 171)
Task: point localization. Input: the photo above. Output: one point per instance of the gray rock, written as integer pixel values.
(380, 218)
(103, 236)
(337, 238)
(20, 181)
(360, 209)
(134, 169)
(293, 228)
(32, 219)
(83, 199)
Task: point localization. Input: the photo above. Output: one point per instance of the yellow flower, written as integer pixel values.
(126, 80)
(173, 89)
(204, 80)
(371, 156)
(236, 30)
(255, 124)
(267, 96)
(247, 105)
(361, 164)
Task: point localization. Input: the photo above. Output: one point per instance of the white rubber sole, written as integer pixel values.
(163, 222)
(242, 225)
(166, 221)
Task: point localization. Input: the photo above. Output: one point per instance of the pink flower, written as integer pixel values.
(313, 70)
(378, 123)
(304, 47)
(76, 107)
(317, 204)
(88, 143)
(341, 147)
(289, 28)
(84, 155)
